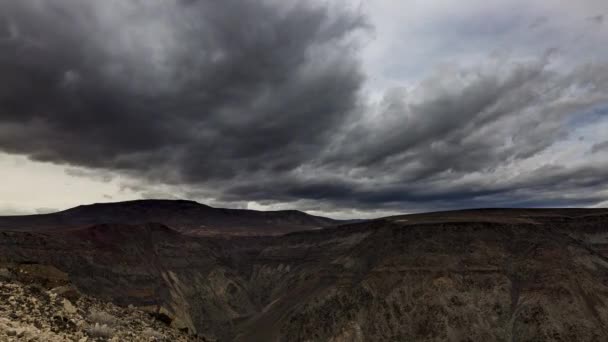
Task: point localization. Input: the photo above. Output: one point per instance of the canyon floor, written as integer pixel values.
(488, 274)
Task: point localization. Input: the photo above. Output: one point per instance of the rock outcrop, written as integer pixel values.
(30, 311)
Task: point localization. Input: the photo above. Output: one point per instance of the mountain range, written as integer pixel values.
(183, 216)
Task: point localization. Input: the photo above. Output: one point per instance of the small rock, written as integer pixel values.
(68, 307)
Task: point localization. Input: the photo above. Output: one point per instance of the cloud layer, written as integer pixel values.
(266, 101)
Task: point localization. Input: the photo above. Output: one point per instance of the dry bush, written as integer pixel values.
(154, 335)
(100, 330)
(103, 318)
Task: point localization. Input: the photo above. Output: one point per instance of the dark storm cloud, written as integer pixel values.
(260, 101)
(210, 88)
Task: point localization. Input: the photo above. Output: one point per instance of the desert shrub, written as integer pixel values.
(103, 318)
(152, 334)
(100, 330)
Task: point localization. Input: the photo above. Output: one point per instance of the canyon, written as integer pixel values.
(471, 275)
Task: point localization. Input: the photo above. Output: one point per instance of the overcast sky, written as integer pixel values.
(342, 108)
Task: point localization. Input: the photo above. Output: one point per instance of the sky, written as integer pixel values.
(342, 108)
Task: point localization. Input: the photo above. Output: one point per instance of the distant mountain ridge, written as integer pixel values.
(181, 215)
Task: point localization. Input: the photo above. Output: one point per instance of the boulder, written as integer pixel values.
(5, 274)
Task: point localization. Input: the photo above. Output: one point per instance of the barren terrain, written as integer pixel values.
(492, 274)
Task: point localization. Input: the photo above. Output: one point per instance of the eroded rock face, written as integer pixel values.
(496, 276)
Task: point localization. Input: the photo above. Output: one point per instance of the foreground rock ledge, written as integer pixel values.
(32, 312)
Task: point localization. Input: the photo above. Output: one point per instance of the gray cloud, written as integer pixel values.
(420, 146)
(598, 19)
(603, 146)
(538, 22)
(261, 101)
(469, 120)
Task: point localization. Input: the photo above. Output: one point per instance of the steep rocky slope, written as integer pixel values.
(186, 216)
(496, 275)
(30, 312)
